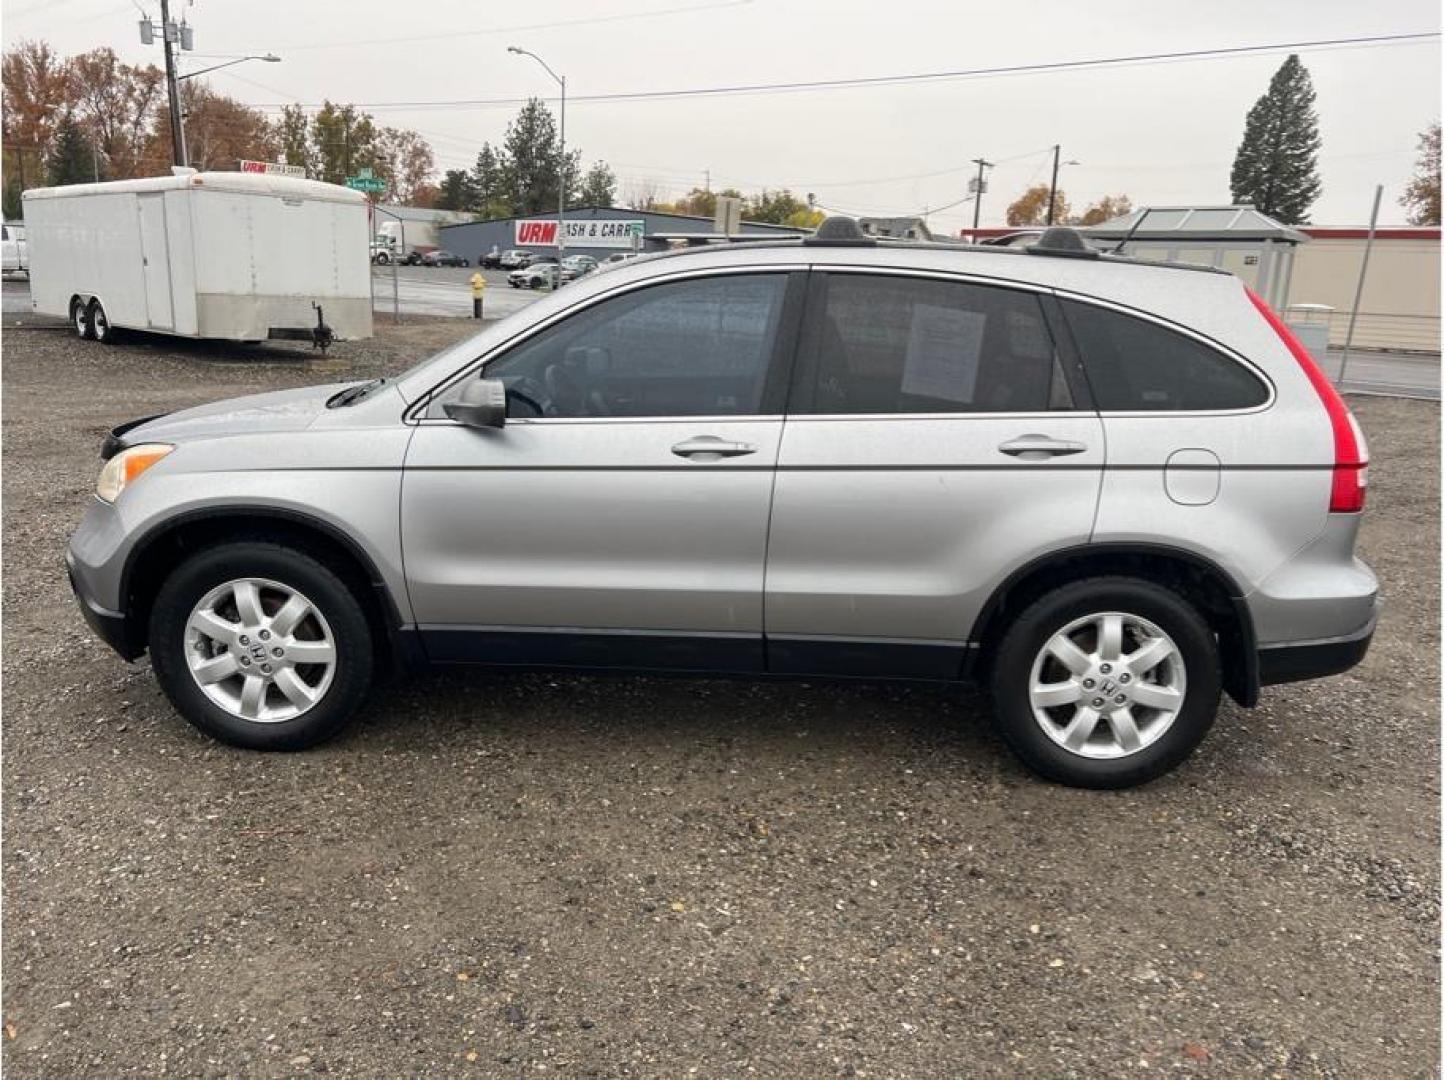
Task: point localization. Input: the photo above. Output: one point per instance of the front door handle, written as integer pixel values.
(1040, 447)
(711, 448)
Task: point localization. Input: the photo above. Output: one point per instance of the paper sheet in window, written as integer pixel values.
(944, 347)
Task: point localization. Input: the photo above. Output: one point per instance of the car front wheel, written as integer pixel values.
(1106, 682)
(260, 645)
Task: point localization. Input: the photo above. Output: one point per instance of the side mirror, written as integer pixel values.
(482, 404)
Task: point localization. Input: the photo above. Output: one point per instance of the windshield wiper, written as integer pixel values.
(353, 394)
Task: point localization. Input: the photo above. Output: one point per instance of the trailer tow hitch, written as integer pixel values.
(321, 336)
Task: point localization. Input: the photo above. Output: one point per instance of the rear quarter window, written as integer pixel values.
(1138, 366)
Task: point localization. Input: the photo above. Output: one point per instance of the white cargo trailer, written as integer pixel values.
(239, 256)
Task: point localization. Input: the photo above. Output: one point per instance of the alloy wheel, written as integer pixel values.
(1107, 685)
(260, 650)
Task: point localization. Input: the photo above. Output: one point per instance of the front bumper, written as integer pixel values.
(1314, 659)
(112, 627)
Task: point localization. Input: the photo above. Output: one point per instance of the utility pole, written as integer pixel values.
(172, 85)
(980, 185)
(1053, 187)
(171, 35)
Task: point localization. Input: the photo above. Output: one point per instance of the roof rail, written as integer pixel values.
(840, 232)
(1062, 242)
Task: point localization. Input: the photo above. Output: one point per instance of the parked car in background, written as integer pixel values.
(14, 256)
(443, 258)
(1108, 489)
(575, 266)
(491, 260)
(545, 273)
(620, 258)
(515, 259)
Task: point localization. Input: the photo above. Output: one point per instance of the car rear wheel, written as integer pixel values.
(261, 646)
(1106, 683)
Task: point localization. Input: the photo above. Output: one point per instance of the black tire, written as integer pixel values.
(201, 573)
(80, 319)
(100, 328)
(1030, 631)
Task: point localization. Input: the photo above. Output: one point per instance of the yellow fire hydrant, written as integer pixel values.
(478, 286)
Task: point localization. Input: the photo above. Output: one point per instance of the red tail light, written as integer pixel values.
(1351, 453)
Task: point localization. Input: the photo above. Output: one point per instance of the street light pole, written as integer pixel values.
(562, 160)
(1053, 187)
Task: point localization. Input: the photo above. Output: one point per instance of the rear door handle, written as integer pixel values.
(1040, 447)
(711, 448)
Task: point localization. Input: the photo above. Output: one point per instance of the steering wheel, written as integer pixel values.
(528, 392)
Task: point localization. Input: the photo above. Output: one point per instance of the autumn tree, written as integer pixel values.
(1276, 167)
(36, 94)
(73, 158)
(773, 207)
(116, 102)
(598, 188)
(642, 194)
(405, 161)
(1421, 197)
(220, 132)
(1031, 207)
(1105, 209)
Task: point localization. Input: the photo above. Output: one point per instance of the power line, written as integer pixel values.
(590, 20)
(907, 78)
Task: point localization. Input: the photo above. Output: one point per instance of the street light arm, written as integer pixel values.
(527, 52)
(269, 58)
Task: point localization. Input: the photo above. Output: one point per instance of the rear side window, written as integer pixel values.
(1138, 366)
(888, 344)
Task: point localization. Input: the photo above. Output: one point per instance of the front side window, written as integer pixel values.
(886, 344)
(700, 347)
(1138, 366)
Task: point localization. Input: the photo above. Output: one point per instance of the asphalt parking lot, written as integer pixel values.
(511, 874)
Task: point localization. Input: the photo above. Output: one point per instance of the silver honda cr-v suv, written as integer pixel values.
(1110, 490)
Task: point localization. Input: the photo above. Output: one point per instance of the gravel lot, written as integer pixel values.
(500, 875)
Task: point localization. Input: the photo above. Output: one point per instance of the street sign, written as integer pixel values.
(273, 168)
(366, 182)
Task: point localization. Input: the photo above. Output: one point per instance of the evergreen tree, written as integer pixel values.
(531, 159)
(291, 132)
(488, 184)
(457, 191)
(72, 160)
(599, 188)
(1276, 165)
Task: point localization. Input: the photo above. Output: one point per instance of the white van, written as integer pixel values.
(230, 255)
(13, 255)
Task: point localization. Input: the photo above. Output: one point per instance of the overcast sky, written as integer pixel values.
(1162, 133)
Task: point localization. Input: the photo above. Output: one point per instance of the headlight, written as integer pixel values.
(122, 470)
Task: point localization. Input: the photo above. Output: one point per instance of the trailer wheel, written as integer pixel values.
(80, 319)
(100, 328)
